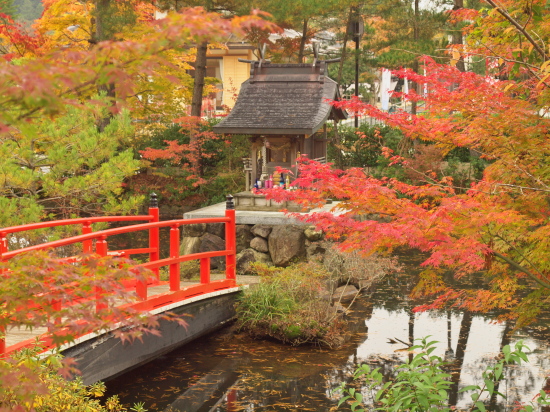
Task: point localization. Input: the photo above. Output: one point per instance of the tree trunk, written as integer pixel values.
(344, 47)
(98, 35)
(303, 41)
(100, 13)
(196, 102)
(200, 73)
(416, 35)
(415, 85)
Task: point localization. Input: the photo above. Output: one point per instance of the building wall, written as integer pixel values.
(234, 74)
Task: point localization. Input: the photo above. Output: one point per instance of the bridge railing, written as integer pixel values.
(176, 293)
(86, 228)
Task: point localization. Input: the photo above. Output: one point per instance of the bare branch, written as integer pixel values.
(517, 266)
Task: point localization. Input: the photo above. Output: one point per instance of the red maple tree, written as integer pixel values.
(492, 236)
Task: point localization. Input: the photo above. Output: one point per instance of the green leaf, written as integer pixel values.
(490, 386)
(342, 400)
(506, 352)
(498, 371)
(470, 388)
(355, 405)
(523, 356)
(480, 406)
(433, 342)
(499, 394)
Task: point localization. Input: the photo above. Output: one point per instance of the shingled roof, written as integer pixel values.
(283, 99)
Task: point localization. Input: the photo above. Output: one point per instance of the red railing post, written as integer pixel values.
(141, 289)
(87, 244)
(3, 249)
(154, 233)
(2, 342)
(230, 240)
(205, 270)
(174, 253)
(3, 243)
(101, 249)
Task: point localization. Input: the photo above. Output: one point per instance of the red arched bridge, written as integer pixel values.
(208, 302)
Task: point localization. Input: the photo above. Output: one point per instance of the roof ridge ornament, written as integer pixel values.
(315, 53)
(261, 51)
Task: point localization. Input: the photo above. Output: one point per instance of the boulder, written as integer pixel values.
(196, 230)
(212, 243)
(287, 244)
(345, 294)
(249, 256)
(259, 244)
(312, 234)
(217, 229)
(190, 245)
(244, 236)
(324, 295)
(261, 230)
(315, 249)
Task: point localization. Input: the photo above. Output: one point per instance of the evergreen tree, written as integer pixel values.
(7, 7)
(404, 31)
(28, 10)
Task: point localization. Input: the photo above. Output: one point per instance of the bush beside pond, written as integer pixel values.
(285, 306)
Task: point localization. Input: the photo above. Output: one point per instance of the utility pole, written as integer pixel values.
(356, 29)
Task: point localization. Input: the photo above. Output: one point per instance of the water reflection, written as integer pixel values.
(230, 372)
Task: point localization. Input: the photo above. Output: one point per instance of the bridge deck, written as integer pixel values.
(16, 335)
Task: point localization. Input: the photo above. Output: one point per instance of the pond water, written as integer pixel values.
(228, 371)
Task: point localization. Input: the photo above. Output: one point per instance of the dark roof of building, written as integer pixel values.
(283, 99)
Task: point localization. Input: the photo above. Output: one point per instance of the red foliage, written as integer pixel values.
(18, 43)
(187, 155)
(501, 219)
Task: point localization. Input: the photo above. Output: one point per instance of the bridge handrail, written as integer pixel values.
(76, 221)
(110, 232)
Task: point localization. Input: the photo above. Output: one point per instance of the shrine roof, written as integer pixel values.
(283, 99)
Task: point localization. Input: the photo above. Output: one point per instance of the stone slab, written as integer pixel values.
(247, 217)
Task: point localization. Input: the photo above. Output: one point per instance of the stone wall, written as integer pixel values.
(279, 245)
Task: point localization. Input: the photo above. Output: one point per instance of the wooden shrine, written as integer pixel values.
(283, 108)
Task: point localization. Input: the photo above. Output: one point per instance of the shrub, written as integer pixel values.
(52, 392)
(362, 147)
(286, 306)
(171, 175)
